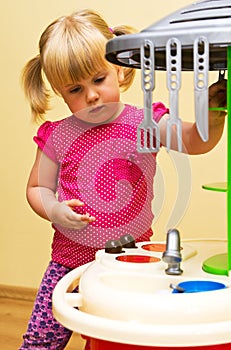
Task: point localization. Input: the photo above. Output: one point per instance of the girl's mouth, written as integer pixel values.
(100, 114)
(96, 109)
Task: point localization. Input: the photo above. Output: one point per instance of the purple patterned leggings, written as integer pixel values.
(43, 331)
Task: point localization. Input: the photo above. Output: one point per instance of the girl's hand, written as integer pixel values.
(62, 214)
(218, 98)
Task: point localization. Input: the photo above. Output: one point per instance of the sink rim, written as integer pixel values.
(134, 332)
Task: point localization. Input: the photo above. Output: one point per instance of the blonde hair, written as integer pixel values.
(70, 49)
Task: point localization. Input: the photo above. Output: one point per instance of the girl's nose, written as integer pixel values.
(92, 95)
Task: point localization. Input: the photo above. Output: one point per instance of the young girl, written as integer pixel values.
(88, 179)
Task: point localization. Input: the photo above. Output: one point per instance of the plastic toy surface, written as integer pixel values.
(127, 300)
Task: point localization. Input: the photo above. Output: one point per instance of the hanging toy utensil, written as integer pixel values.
(148, 133)
(201, 57)
(173, 56)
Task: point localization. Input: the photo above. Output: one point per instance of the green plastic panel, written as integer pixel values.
(216, 186)
(217, 264)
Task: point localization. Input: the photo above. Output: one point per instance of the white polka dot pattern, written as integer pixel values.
(99, 165)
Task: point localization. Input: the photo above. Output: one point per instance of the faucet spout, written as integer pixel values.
(172, 255)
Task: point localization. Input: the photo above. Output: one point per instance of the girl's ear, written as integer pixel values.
(120, 74)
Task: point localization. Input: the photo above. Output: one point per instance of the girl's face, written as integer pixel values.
(89, 99)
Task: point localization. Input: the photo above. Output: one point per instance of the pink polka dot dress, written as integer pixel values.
(100, 165)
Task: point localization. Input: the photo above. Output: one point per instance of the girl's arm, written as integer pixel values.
(192, 143)
(41, 195)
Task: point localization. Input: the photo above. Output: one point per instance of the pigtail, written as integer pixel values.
(129, 73)
(34, 88)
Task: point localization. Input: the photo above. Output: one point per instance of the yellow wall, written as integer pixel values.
(25, 238)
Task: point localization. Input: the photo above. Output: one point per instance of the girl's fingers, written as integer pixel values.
(88, 218)
(84, 218)
(74, 203)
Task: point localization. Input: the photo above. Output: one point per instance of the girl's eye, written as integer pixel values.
(75, 89)
(100, 79)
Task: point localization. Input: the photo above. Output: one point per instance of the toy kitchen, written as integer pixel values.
(173, 294)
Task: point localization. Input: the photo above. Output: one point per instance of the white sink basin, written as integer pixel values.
(146, 298)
